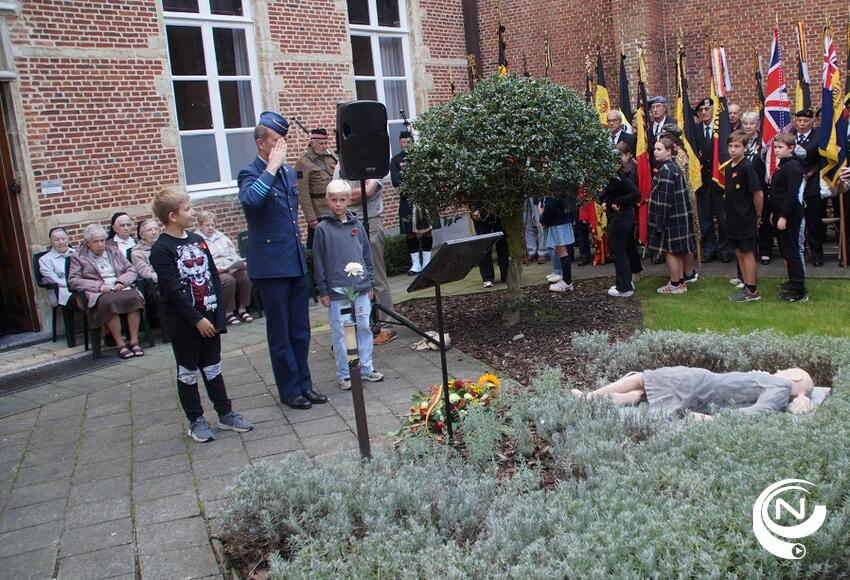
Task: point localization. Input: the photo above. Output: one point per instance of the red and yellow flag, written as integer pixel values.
(642, 152)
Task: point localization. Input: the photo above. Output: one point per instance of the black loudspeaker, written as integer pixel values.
(362, 140)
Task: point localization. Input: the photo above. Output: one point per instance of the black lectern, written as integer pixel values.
(452, 262)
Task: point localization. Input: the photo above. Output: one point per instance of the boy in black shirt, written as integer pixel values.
(193, 313)
(785, 196)
(744, 198)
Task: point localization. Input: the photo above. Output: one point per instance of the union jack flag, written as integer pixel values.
(777, 109)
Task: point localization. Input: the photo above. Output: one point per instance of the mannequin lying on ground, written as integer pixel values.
(681, 390)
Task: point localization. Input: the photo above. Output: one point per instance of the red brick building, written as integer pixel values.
(105, 101)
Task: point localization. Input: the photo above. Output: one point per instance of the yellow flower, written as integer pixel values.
(489, 378)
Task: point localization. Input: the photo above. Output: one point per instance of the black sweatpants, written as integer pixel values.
(789, 248)
(815, 211)
(195, 353)
(485, 266)
(621, 238)
(765, 230)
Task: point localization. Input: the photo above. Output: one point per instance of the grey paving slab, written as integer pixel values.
(192, 562)
(264, 415)
(268, 430)
(161, 466)
(159, 487)
(29, 539)
(32, 515)
(221, 465)
(101, 470)
(35, 565)
(121, 419)
(272, 446)
(172, 535)
(227, 443)
(41, 473)
(104, 510)
(13, 405)
(118, 450)
(301, 415)
(102, 564)
(317, 427)
(13, 452)
(150, 451)
(214, 487)
(21, 421)
(95, 491)
(32, 494)
(164, 509)
(65, 408)
(50, 454)
(96, 537)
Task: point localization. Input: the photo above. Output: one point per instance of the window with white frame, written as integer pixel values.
(380, 48)
(213, 73)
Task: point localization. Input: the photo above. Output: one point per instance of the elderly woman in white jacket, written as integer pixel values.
(52, 265)
(232, 270)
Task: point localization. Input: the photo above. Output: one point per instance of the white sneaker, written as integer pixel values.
(668, 288)
(372, 377)
(692, 277)
(612, 291)
(561, 287)
(344, 384)
(487, 284)
(735, 281)
(552, 278)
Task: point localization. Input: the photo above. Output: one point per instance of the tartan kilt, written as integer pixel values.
(671, 222)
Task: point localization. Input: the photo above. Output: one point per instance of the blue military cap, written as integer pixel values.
(274, 121)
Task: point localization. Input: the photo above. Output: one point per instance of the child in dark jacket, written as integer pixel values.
(342, 259)
(193, 313)
(558, 233)
(620, 198)
(788, 215)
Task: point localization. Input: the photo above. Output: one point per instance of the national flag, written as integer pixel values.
(588, 80)
(685, 120)
(603, 102)
(547, 52)
(803, 94)
(642, 152)
(759, 83)
(720, 85)
(777, 110)
(502, 69)
(625, 103)
(833, 128)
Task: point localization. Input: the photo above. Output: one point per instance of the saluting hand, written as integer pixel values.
(277, 156)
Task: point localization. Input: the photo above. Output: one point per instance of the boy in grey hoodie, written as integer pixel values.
(339, 246)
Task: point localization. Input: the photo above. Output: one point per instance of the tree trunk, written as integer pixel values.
(514, 227)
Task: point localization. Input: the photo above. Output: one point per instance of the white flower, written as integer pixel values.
(354, 269)
(454, 397)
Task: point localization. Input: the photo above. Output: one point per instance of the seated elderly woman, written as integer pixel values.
(680, 390)
(52, 265)
(120, 230)
(148, 233)
(102, 271)
(232, 269)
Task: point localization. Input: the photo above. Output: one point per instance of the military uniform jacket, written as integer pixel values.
(314, 173)
(270, 203)
(811, 162)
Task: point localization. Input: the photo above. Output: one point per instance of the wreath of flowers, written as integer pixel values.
(428, 411)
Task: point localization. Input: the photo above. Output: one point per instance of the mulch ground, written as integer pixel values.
(543, 335)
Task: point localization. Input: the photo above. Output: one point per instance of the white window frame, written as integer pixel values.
(206, 21)
(374, 32)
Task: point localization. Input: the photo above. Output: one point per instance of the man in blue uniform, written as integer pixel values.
(276, 263)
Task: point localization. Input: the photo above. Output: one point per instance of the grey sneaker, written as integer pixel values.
(372, 377)
(745, 296)
(234, 422)
(344, 384)
(199, 430)
(692, 277)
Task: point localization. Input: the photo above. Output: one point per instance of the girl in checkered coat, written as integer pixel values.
(671, 225)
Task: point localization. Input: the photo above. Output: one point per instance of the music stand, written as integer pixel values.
(452, 262)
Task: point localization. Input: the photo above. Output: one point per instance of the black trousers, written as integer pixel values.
(195, 353)
(485, 266)
(581, 230)
(621, 239)
(815, 211)
(789, 249)
(711, 207)
(765, 230)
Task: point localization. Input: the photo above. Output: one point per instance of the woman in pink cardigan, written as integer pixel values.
(107, 279)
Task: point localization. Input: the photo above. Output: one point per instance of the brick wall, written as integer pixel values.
(575, 28)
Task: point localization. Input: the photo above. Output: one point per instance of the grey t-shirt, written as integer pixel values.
(678, 389)
(375, 204)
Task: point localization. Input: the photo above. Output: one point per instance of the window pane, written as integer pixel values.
(229, 7)
(361, 51)
(388, 13)
(237, 104)
(395, 96)
(358, 11)
(193, 105)
(180, 5)
(366, 91)
(392, 56)
(186, 49)
(200, 159)
(241, 149)
(231, 51)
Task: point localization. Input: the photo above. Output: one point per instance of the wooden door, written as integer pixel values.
(17, 300)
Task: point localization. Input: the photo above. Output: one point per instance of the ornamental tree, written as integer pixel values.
(507, 140)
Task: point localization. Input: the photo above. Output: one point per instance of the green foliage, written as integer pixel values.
(507, 139)
(637, 496)
(482, 432)
(396, 257)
